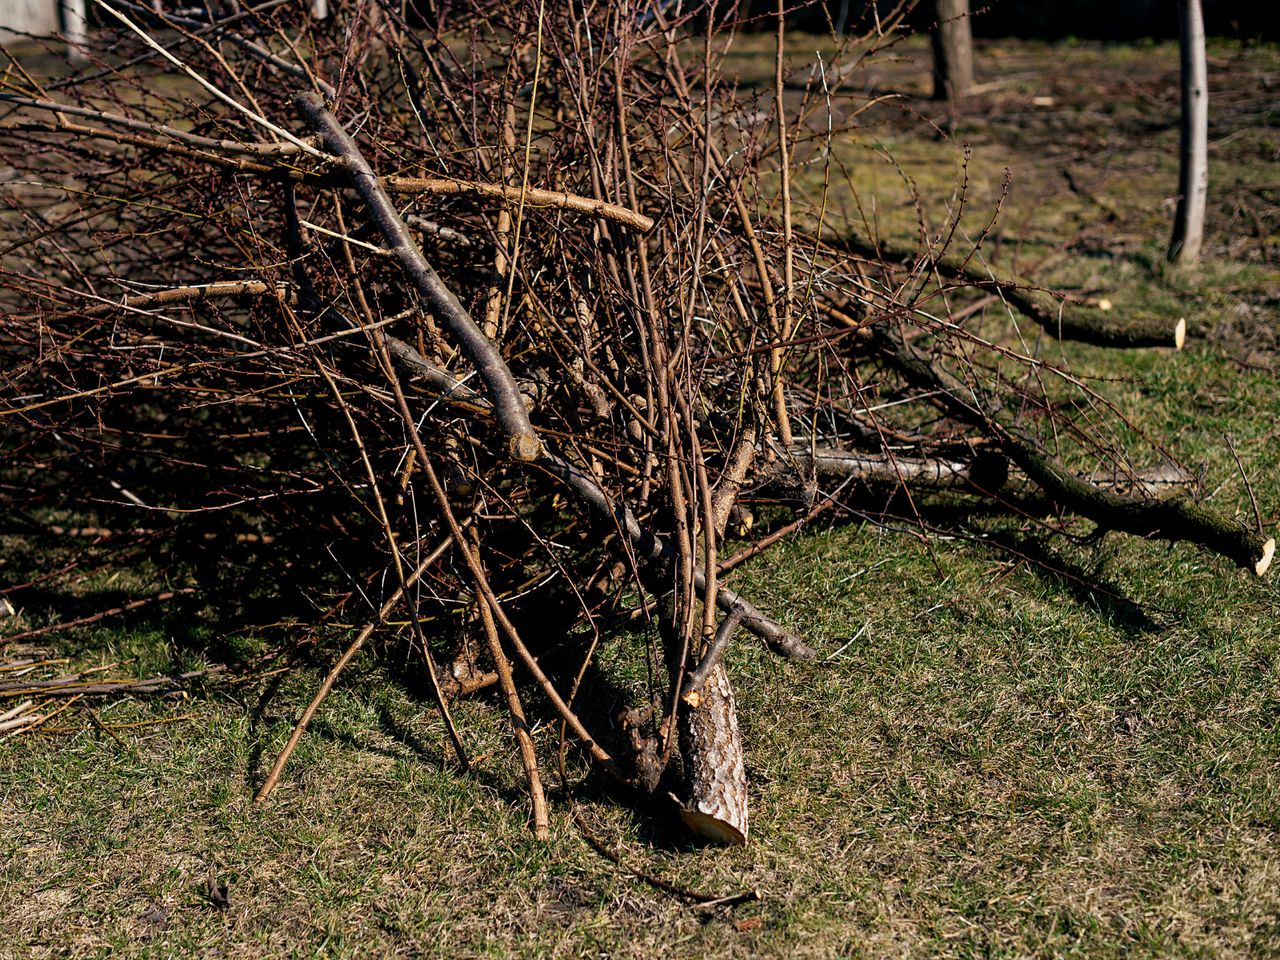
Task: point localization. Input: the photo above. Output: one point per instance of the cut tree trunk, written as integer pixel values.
(712, 749)
(1193, 176)
(952, 50)
(715, 804)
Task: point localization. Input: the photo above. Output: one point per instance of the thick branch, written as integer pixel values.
(691, 692)
(1063, 319)
(441, 380)
(1178, 519)
(508, 404)
(1173, 519)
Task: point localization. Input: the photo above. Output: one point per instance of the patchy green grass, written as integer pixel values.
(1074, 757)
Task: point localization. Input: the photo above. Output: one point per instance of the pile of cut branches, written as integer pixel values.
(505, 321)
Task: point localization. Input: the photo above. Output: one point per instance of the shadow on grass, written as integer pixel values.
(1089, 588)
(1086, 586)
(249, 590)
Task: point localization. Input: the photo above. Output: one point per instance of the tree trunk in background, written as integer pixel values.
(952, 50)
(75, 28)
(1193, 178)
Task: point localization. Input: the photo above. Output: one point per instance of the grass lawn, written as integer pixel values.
(1013, 746)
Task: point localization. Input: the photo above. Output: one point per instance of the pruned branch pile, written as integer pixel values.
(499, 322)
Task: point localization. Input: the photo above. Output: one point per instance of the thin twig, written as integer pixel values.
(269, 784)
(1253, 500)
(94, 617)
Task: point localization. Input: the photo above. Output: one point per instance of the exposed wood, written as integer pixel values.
(741, 457)
(1264, 560)
(715, 807)
(712, 748)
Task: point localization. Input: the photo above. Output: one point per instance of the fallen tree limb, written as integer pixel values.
(706, 722)
(987, 473)
(1177, 519)
(1057, 316)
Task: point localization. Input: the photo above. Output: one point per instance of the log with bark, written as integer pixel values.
(1060, 317)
